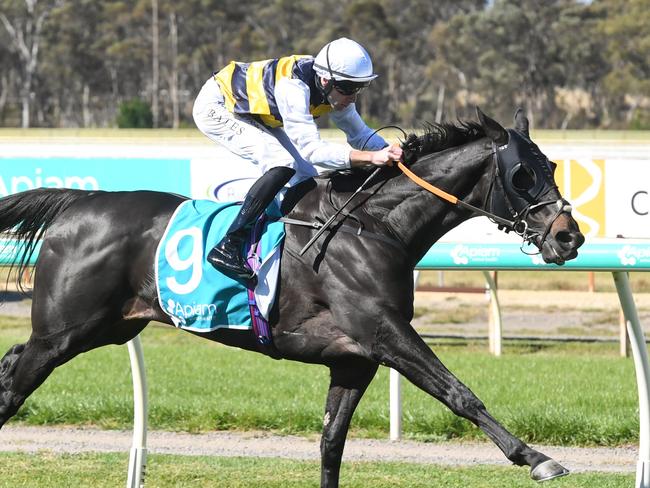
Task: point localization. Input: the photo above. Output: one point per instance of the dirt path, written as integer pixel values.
(261, 444)
(547, 313)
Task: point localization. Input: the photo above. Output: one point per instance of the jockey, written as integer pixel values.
(264, 111)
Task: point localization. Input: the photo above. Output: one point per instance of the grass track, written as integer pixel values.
(568, 395)
(46, 470)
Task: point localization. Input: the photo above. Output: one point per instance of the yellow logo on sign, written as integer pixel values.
(581, 183)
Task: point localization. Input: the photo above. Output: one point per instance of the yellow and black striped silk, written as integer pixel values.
(248, 88)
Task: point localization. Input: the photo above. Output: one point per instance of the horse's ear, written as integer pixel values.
(492, 128)
(521, 122)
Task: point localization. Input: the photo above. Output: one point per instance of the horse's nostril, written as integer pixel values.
(566, 237)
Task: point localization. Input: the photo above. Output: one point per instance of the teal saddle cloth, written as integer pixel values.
(195, 295)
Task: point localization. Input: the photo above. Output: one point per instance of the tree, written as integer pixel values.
(571, 63)
(77, 76)
(155, 58)
(135, 114)
(6, 75)
(582, 50)
(624, 28)
(512, 53)
(422, 78)
(24, 27)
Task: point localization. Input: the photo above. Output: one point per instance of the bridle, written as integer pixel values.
(518, 224)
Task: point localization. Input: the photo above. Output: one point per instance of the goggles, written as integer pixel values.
(347, 87)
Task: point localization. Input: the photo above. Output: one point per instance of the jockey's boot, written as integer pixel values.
(228, 255)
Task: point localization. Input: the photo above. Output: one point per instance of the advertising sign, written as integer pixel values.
(601, 255)
(94, 173)
(607, 184)
(224, 178)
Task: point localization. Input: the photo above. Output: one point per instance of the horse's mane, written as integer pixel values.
(438, 137)
(435, 138)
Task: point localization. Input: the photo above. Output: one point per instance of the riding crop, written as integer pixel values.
(327, 224)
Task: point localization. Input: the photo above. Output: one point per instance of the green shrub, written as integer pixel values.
(641, 120)
(135, 114)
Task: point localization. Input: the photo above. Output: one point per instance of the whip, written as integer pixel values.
(336, 214)
(363, 186)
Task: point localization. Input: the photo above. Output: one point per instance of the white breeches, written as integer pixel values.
(265, 148)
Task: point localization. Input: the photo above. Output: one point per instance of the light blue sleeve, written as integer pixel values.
(356, 130)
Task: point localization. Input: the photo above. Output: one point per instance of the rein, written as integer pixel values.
(330, 221)
(519, 225)
(451, 198)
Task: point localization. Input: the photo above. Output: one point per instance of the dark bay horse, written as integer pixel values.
(347, 303)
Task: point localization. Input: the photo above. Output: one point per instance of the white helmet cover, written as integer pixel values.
(344, 59)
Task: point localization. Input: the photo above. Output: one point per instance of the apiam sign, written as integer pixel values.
(93, 173)
(608, 185)
(608, 254)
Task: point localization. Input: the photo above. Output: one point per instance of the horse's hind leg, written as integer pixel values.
(7, 368)
(23, 369)
(402, 349)
(26, 366)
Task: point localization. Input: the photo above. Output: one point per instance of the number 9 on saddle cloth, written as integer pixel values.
(195, 295)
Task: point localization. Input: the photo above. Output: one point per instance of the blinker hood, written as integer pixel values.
(525, 173)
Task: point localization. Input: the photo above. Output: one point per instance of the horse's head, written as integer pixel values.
(524, 191)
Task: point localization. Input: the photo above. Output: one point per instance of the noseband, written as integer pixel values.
(518, 225)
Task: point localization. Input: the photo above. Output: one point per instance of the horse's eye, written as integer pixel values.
(523, 177)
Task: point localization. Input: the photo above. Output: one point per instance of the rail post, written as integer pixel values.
(138, 455)
(495, 325)
(640, 354)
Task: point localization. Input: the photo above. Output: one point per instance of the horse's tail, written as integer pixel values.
(25, 216)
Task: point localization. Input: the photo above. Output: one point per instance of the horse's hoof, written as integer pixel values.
(548, 470)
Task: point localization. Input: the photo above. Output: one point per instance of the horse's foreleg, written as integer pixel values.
(347, 386)
(403, 350)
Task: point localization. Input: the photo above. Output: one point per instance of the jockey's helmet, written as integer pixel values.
(344, 60)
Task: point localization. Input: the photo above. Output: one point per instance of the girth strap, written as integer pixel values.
(359, 231)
